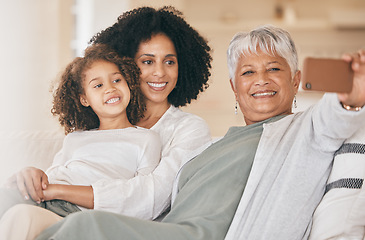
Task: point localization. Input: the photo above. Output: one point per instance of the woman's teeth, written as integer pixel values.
(263, 94)
(157, 85)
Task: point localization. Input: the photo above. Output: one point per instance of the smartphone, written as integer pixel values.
(327, 75)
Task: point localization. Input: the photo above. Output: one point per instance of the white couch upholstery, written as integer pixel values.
(341, 213)
(27, 148)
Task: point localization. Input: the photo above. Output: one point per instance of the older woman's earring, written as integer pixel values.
(235, 108)
(295, 101)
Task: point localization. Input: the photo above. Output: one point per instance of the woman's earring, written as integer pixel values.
(235, 108)
(295, 101)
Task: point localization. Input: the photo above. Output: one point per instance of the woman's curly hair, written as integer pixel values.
(66, 98)
(193, 53)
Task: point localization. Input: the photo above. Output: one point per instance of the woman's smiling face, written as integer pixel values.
(157, 60)
(264, 87)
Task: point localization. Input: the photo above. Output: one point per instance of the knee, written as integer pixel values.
(25, 221)
(82, 216)
(85, 218)
(23, 211)
(29, 215)
(9, 198)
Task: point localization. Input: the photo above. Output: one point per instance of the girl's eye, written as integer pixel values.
(98, 85)
(117, 80)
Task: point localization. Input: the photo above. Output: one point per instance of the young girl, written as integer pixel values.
(98, 100)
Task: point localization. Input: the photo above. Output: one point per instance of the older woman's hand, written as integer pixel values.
(357, 96)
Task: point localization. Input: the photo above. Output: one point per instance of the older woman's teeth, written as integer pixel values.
(263, 94)
(113, 100)
(157, 85)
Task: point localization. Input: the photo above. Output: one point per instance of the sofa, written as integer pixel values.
(340, 215)
(19, 149)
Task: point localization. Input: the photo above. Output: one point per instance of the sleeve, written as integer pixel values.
(148, 196)
(332, 124)
(151, 154)
(58, 161)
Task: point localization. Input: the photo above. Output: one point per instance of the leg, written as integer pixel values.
(26, 222)
(10, 197)
(105, 225)
(210, 190)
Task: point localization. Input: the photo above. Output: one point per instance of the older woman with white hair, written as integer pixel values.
(260, 181)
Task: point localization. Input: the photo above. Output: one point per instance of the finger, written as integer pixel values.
(355, 65)
(31, 189)
(347, 57)
(29, 179)
(362, 55)
(355, 56)
(34, 185)
(44, 181)
(38, 189)
(21, 186)
(356, 60)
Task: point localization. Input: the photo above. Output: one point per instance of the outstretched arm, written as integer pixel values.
(356, 98)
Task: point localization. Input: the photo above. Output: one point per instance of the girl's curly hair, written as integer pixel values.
(66, 98)
(193, 52)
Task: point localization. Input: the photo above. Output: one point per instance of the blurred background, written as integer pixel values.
(40, 37)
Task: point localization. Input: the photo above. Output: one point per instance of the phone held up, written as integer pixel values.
(327, 75)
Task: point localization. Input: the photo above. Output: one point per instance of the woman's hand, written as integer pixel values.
(357, 96)
(31, 182)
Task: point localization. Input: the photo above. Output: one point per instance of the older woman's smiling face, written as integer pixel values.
(264, 87)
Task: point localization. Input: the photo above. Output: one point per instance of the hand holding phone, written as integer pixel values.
(327, 75)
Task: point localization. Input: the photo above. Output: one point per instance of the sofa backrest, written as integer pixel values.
(27, 148)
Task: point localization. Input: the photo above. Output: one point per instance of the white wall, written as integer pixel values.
(32, 40)
(39, 37)
(92, 16)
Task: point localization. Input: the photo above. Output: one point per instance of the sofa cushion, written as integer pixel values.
(341, 213)
(27, 148)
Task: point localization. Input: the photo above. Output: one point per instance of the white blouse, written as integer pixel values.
(147, 196)
(88, 156)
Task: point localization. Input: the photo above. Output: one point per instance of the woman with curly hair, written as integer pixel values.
(98, 100)
(136, 28)
(175, 61)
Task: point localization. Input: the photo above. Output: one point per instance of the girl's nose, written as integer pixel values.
(110, 88)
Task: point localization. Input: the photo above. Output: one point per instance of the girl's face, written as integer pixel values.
(157, 60)
(264, 87)
(105, 91)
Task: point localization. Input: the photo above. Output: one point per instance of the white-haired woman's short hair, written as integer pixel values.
(267, 38)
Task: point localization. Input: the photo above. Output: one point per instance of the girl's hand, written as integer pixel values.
(79, 195)
(52, 192)
(357, 96)
(31, 182)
